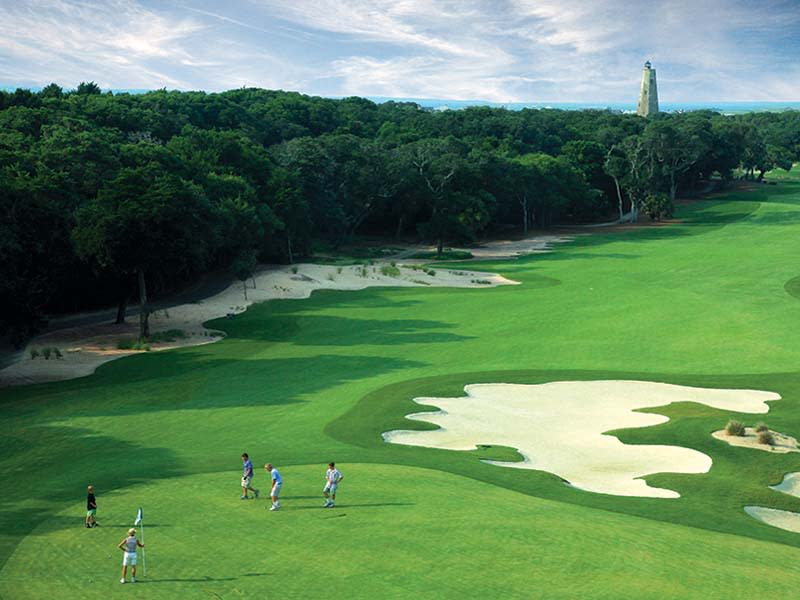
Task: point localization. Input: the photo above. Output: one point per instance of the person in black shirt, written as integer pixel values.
(91, 508)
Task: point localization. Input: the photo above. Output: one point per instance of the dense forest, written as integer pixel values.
(106, 196)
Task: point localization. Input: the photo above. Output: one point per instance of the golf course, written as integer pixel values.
(710, 300)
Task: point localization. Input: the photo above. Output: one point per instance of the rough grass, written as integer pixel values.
(300, 383)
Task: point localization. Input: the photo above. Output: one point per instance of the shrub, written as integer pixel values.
(766, 437)
(761, 427)
(339, 270)
(133, 344)
(482, 281)
(390, 271)
(34, 353)
(46, 353)
(734, 428)
(170, 335)
(331, 277)
(294, 269)
(431, 272)
(657, 207)
(57, 352)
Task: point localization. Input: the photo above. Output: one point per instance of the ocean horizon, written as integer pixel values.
(725, 107)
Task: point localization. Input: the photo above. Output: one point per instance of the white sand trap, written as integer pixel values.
(782, 519)
(558, 427)
(783, 443)
(790, 485)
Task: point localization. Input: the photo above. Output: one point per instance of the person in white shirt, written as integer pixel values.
(332, 478)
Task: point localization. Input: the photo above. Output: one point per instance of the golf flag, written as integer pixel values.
(139, 517)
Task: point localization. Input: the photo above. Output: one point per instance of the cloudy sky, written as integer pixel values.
(497, 50)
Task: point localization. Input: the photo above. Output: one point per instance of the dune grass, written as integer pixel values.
(300, 383)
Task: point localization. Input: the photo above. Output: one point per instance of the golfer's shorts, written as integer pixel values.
(129, 558)
(91, 512)
(276, 490)
(330, 488)
(245, 482)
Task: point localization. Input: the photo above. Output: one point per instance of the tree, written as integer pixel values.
(675, 147)
(88, 89)
(243, 267)
(145, 222)
(616, 166)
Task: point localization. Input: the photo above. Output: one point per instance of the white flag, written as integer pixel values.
(139, 517)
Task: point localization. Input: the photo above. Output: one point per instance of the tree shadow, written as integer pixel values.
(70, 450)
(193, 380)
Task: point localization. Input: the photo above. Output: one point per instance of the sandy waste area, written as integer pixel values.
(559, 427)
(783, 443)
(83, 349)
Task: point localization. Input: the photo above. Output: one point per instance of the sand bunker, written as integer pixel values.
(86, 348)
(782, 519)
(790, 485)
(558, 427)
(783, 443)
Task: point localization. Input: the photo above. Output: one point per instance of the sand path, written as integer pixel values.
(86, 346)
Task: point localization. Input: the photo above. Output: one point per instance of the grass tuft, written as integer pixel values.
(735, 428)
(390, 271)
(766, 437)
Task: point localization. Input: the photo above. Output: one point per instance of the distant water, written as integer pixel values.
(625, 107)
(722, 107)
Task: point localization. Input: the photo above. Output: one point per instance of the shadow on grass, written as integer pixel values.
(185, 580)
(291, 322)
(340, 507)
(185, 380)
(70, 450)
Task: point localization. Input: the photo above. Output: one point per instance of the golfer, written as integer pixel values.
(91, 508)
(332, 478)
(128, 547)
(247, 477)
(277, 482)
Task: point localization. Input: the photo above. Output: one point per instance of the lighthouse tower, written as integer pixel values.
(648, 98)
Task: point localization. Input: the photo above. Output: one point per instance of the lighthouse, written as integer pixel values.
(648, 98)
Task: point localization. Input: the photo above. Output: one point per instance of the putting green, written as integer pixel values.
(699, 303)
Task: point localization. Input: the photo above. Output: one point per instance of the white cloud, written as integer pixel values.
(502, 50)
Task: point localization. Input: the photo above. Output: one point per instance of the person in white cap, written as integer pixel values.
(128, 547)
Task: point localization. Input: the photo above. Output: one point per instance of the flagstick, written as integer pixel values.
(144, 556)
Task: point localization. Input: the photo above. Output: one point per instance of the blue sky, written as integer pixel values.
(498, 50)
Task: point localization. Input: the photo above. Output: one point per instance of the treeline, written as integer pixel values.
(103, 196)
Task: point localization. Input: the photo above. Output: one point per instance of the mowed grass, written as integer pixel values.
(300, 383)
(416, 538)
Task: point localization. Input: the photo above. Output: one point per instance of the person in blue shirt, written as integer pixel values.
(277, 482)
(247, 477)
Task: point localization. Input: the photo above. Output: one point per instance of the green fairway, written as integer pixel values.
(711, 301)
